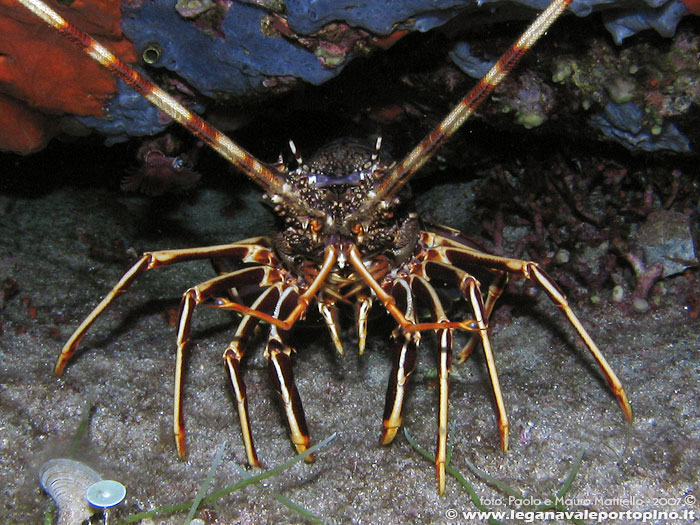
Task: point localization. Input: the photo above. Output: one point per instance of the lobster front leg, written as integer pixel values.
(233, 354)
(405, 346)
(470, 289)
(256, 250)
(290, 306)
(209, 290)
(404, 293)
(425, 291)
(278, 355)
(280, 368)
(326, 306)
(495, 290)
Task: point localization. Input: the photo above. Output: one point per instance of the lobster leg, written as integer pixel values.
(389, 302)
(364, 305)
(422, 288)
(444, 236)
(470, 287)
(232, 358)
(405, 346)
(433, 270)
(217, 288)
(495, 290)
(465, 256)
(330, 315)
(193, 297)
(330, 256)
(252, 250)
(278, 354)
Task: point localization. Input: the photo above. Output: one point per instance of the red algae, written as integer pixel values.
(43, 75)
(693, 6)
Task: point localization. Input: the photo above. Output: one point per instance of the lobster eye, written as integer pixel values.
(151, 53)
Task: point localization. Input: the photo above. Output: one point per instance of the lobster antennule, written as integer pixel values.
(402, 172)
(264, 175)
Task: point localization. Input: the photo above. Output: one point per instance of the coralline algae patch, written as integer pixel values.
(642, 91)
(43, 75)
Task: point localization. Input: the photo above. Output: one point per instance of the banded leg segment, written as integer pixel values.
(470, 288)
(278, 354)
(363, 305)
(253, 250)
(495, 290)
(233, 355)
(405, 347)
(326, 306)
(424, 290)
(257, 275)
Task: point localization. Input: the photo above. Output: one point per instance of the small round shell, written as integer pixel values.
(66, 481)
(105, 494)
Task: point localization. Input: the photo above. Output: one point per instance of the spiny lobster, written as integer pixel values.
(348, 236)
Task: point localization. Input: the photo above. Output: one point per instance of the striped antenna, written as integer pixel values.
(404, 170)
(268, 178)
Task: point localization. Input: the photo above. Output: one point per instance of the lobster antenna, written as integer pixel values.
(268, 178)
(401, 173)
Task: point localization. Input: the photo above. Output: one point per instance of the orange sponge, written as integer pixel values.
(43, 75)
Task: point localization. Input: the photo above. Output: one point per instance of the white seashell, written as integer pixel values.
(67, 481)
(105, 494)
